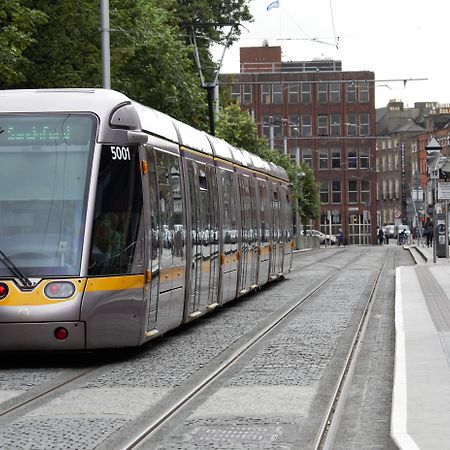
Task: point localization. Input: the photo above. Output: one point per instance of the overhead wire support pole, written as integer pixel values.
(106, 59)
(211, 85)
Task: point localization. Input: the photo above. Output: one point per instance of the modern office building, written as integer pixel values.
(319, 114)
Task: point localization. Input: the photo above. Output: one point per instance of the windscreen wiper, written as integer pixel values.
(15, 270)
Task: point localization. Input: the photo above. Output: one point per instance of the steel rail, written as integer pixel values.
(172, 410)
(329, 427)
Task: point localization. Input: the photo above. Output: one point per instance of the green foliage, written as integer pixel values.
(153, 65)
(67, 46)
(239, 129)
(17, 29)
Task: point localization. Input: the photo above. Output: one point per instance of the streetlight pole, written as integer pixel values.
(106, 64)
(298, 222)
(433, 150)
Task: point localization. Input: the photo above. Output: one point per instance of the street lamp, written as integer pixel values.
(433, 153)
(298, 223)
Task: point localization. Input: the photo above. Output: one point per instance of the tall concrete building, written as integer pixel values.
(319, 114)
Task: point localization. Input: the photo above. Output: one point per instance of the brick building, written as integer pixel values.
(317, 113)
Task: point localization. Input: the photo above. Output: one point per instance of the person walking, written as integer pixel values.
(380, 236)
(341, 238)
(428, 231)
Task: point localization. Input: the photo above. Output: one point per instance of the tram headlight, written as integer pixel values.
(3, 290)
(59, 289)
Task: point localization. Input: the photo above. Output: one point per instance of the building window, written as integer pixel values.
(324, 192)
(295, 155)
(277, 126)
(351, 124)
(353, 191)
(265, 94)
(335, 92)
(322, 92)
(352, 162)
(335, 125)
(335, 158)
(351, 92)
(277, 94)
(391, 188)
(364, 157)
(390, 161)
(323, 158)
(365, 191)
(363, 91)
(307, 156)
(364, 124)
(236, 93)
(306, 93)
(247, 96)
(293, 125)
(322, 125)
(306, 129)
(397, 188)
(293, 93)
(384, 191)
(266, 126)
(336, 191)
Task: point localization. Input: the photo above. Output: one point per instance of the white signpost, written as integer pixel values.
(444, 194)
(443, 190)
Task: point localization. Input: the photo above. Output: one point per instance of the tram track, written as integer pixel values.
(71, 377)
(274, 321)
(180, 396)
(327, 433)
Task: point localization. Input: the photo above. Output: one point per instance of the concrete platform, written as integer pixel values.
(421, 393)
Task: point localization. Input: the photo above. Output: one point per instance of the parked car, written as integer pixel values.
(316, 233)
(324, 238)
(389, 231)
(404, 228)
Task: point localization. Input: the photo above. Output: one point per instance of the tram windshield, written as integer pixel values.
(44, 168)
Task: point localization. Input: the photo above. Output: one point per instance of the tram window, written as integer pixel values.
(45, 163)
(118, 211)
(203, 182)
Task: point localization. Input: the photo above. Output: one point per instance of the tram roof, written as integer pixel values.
(105, 101)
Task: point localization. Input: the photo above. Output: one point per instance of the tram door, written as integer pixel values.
(264, 233)
(165, 237)
(229, 258)
(203, 242)
(277, 238)
(248, 261)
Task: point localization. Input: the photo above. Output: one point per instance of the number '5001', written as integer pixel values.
(118, 152)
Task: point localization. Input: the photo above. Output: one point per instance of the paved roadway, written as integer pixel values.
(272, 399)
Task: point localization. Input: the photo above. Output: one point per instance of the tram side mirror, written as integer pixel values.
(137, 137)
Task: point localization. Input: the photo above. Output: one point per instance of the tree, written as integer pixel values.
(17, 28)
(66, 52)
(239, 129)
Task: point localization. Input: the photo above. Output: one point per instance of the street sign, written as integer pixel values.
(443, 190)
(397, 215)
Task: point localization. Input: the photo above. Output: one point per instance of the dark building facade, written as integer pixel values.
(316, 113)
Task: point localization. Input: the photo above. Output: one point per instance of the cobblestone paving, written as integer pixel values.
(263, 404)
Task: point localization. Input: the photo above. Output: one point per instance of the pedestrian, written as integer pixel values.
(341, 238)
(386, 236)
(380, 236)
(428, 231)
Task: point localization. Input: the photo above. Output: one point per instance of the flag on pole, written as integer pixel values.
(275, 4)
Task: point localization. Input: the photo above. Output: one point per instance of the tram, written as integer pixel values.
(119, 223)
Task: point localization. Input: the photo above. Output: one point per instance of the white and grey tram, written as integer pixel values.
(118, 223)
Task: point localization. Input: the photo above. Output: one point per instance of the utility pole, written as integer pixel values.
(210, 86)
(104, 28)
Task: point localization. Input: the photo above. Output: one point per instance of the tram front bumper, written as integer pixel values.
(42, 336)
